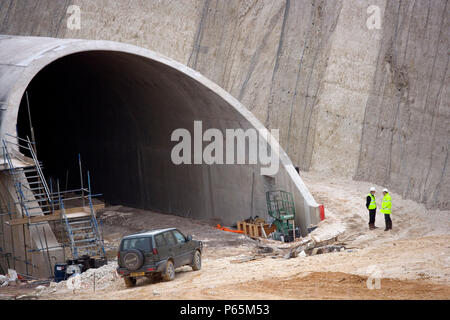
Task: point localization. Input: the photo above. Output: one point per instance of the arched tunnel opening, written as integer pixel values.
(117, 106)
(118, 110)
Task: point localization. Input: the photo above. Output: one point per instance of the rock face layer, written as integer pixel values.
(370, 103)
(406, 130)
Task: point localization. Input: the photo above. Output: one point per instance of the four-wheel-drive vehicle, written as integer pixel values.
(157, 252)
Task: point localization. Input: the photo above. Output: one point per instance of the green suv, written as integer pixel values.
(157, 252)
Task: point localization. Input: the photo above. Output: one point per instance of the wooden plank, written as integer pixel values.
(269, 229)
(75, 215)
(71, 213)
(263, 232)
(246, 259)
(50, 217)
(85, 209)
(98, 206)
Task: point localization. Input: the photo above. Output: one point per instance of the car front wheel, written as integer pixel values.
(169, 273)
(197, 262)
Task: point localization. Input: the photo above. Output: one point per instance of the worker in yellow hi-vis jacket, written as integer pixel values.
(386, 207)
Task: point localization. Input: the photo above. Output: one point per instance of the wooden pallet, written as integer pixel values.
(254, 230)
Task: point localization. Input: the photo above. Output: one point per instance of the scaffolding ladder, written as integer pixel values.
(83, 232)
(31, 188)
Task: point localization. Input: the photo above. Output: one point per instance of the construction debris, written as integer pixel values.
(256, 227)
(109, 217)
(90, 280)
(247, 259)
(9, 279)
(303, 247)
(3, 280)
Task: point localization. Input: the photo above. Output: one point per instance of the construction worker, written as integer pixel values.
(372, 207)
(386, 209)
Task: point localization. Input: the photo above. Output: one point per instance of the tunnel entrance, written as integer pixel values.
(118, 110)
(117, 106)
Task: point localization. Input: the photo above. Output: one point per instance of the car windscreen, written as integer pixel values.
(143, 244)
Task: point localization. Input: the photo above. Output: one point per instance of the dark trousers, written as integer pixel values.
(388, 221)
(372, 213)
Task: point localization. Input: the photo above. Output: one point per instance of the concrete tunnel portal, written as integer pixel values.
(117, 106)
(118, 111)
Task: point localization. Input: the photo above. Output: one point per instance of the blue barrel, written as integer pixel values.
(60, 272)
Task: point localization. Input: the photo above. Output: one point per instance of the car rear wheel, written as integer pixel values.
(169, 273)
(130, 282)
(197, 261)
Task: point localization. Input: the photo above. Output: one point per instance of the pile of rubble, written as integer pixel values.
(111, 217)
(303, 247)
(90, 280)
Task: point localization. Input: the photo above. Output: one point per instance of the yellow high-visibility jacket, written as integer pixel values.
(386, 205)
(372, 204)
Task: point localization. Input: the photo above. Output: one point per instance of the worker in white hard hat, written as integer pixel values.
(386, 207)
(371, 205)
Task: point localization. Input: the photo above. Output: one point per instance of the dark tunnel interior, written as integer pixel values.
(74, 112)
(118, 110)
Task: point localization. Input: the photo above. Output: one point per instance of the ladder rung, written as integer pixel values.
(82, 228)
(32, 177)
(34, 182)
(17, 144)
(33, 189)
(32, 200)
(85, 240)
(79, 222)
(88, 246)
(39, 207)
(26, 178)
(41, 194)
(82, 236)
(26, 171)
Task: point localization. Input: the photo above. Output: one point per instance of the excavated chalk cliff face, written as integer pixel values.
(370, 103)
(406, 130)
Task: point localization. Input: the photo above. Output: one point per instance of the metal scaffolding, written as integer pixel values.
(39, 205)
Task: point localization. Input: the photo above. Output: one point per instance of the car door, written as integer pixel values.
(171, 248)
(184, 249)
(147, 250)
(162, 248)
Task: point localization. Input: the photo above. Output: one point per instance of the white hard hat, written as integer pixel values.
(372, 189)
(385, 190)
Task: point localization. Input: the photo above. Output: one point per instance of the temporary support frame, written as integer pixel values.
(52, 205)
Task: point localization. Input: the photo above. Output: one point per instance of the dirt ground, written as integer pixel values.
(338, 285)
(411, 262)
(337, 275)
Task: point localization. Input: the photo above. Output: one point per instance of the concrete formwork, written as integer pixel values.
(117, 105)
